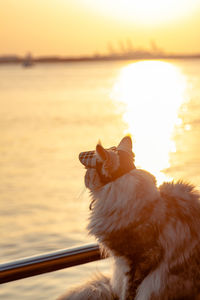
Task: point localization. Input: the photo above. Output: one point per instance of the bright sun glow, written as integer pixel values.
(151, 93)
(144, 11)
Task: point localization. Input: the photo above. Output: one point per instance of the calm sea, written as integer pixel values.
(50, 113)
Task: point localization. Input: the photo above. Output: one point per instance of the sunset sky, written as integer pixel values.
(79, 27)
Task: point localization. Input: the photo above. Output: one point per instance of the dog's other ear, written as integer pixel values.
(102, 153)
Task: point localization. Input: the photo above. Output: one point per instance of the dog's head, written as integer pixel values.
(106, 165)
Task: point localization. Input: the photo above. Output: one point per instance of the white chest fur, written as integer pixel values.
(119, 278)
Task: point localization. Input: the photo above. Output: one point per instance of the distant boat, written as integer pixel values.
(28, 61)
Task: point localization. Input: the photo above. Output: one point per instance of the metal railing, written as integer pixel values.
(49, 262)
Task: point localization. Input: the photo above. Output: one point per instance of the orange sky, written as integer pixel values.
(78, 27)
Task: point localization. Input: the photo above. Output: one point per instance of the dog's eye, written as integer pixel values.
(99, 166)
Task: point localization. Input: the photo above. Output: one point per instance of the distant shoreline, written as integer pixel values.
(97, 58)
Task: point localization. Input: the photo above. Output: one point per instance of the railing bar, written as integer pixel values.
(49, 256)
(36, 265)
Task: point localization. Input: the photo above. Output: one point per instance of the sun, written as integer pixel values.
(143, 11)
(149, 94)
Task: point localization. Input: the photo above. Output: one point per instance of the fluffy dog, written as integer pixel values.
(152, 233)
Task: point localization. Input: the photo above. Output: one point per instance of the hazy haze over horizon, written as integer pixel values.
(81, 27)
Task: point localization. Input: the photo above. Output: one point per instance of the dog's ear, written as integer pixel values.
(102, 153)
(125, 144)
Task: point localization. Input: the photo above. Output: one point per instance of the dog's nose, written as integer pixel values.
(88, 159)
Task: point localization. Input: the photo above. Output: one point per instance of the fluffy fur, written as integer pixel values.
(152, 233)
(98, 288)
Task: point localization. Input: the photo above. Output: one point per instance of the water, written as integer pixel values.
(50, 113)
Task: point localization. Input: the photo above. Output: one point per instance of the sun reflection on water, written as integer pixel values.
(151, 93)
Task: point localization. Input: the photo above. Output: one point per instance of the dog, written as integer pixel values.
(152, 233)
